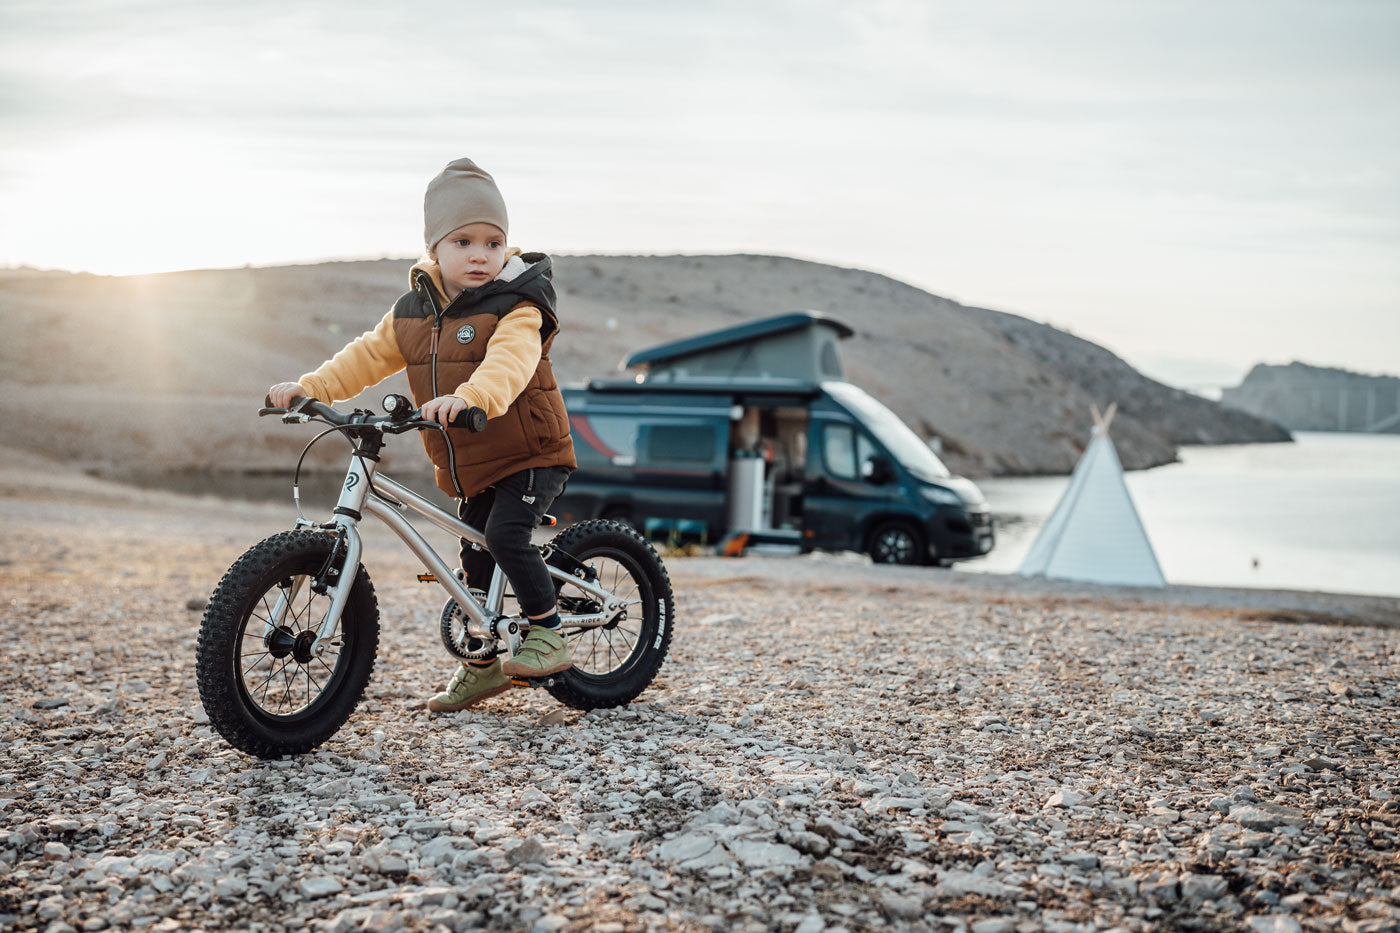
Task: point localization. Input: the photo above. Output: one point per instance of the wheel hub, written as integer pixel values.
(301, 650)
(281, 641)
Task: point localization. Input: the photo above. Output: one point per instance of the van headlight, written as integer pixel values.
(940, 496)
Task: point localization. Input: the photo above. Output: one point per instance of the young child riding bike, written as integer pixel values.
(475, 330)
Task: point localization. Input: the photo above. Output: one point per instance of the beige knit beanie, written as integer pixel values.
(462, 194)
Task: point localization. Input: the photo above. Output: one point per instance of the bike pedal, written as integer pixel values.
(533, 681)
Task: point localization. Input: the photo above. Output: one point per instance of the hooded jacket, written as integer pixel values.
(490, 347)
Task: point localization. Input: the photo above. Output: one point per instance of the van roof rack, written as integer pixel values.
(703, 385)
(728, 336)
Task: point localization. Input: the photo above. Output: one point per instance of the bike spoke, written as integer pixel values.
(629, 643)
(299, 617)
(286, 689)
(256, 654)
(264, 685)
(632, 639)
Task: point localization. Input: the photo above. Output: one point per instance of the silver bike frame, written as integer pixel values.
(366, 492)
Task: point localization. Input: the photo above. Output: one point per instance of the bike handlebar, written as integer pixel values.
(473, 419)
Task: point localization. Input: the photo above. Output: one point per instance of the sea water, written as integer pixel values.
(1322, 513)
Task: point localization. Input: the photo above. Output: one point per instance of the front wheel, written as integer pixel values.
(265, 691)
(895, 543)
(615, 662)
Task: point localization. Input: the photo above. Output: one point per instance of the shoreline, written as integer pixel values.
(26, 475)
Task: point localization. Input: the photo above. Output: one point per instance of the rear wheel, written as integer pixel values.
(895, 543)
(266, 692)
(615, 662)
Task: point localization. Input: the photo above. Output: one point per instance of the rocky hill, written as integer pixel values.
(1316, 398)
(164, 371)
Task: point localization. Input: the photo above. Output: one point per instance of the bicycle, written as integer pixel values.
(288, 641)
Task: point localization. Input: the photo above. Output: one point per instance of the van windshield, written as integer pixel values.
(903, 444)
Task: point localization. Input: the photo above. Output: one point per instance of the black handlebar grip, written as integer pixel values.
(473, 419)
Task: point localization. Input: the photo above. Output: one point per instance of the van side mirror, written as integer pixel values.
(878, 471)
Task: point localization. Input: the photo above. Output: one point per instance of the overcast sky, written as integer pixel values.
(1196, 185)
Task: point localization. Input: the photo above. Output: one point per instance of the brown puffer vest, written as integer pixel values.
(444, 346)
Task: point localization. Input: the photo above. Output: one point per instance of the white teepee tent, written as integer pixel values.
(1095, 534)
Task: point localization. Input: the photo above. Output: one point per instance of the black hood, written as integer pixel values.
(528, 277)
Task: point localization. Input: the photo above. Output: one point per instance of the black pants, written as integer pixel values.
(508, 512)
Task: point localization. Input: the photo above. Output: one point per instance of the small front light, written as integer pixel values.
(396, 406)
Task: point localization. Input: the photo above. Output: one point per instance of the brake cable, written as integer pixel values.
(341, 428)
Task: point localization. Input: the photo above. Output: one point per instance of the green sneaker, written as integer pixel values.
(544, 651)
(469, 686)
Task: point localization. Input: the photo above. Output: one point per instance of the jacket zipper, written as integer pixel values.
(433, 349)
(437, 328)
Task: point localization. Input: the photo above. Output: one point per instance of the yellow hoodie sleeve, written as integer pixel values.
(512, 355)
(364, 361)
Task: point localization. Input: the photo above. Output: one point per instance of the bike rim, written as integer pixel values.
(603, 651)
(290, 687)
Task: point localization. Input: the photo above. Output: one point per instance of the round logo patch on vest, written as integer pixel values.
(466, 334)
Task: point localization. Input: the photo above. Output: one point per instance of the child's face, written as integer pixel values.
(470, 256)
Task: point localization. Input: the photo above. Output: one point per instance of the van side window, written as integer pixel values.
(681, 443)
(839, 450)
(844, 450)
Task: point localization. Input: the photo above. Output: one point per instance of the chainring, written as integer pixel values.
(455, 639)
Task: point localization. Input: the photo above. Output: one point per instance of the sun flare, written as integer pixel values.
(128, 201)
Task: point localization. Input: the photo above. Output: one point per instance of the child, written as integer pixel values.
(475, 330)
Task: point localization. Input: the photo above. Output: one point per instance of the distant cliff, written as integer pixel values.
(1315, 398)
(1170, 414)
(166, 371)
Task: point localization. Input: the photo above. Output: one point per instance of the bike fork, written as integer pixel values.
(340, 592)
(347, 513)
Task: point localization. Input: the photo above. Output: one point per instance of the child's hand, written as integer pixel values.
(443, 409)
(281, 395)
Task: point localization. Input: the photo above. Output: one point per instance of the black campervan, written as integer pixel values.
(750, 434)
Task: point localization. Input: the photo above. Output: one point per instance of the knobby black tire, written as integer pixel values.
(588, 542)
(232, 712)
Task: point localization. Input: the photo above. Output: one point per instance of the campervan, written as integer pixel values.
(752, 432)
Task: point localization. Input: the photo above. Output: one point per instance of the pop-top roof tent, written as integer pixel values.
(1094, 534)
(796, 349)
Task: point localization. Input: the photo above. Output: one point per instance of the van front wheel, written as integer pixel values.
(895, 543)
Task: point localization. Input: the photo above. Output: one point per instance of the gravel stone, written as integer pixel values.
(1025, 755)
(1268, 816)
(312, 888)
(1274, 924)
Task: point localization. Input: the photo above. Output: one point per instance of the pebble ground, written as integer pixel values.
(830, 746)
